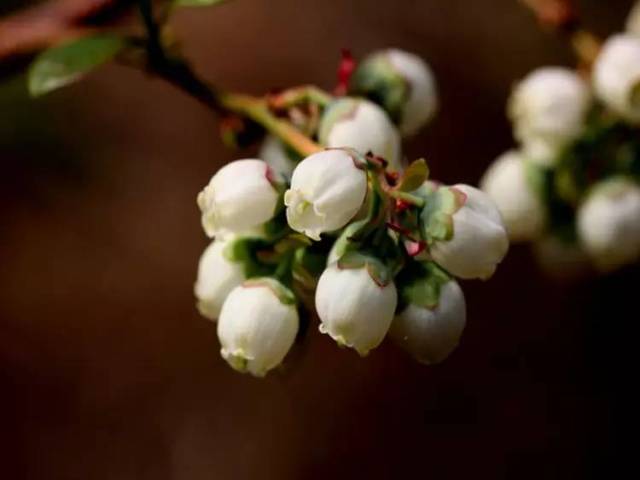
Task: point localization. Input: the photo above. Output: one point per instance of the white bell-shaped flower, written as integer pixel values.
(275, 154)
(522, 209)
(257, 326)
(361, 125)
(616, 75)
(633, 19)
(217, 276)
(354, 310)
(239, 197)
(479, 241)
(327, 190)
(609, 223)
(430, 335)
(402, 83)
(548, 109)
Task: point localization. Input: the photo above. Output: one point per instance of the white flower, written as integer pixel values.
(275, 154)
(257, 326)
(609, 223)
(327, 190)
(363, 126)
(522, 209)
(430, 335)
(354, 310)
(239, 197)
(548, 109)
(402, 83)
(217, 276)
(616, 75)
(633, 20)
(479, 240)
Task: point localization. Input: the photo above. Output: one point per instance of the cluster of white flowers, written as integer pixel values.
(575, 178)
(349, 232)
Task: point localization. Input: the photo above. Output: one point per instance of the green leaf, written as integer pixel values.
(436, 218)
(197, 3)
(414, 176)
(64, 64)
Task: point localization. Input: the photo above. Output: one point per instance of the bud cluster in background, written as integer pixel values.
(573, 185)
(352, 234)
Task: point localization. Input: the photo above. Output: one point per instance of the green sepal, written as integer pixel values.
(378, 80)
(436, 217)
(62, 65)
(378, 271)
(414, 176)
(421, 284)
(285, 295)
(246, 251)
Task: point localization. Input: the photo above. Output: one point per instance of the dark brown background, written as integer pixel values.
(108, 372)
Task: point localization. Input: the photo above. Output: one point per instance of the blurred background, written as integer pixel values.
(108, 372)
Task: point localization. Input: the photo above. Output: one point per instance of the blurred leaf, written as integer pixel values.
(62, 65)
(197, 3)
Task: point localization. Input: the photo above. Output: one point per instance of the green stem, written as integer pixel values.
(297, 95)
(283, 271)
(407, 197)
(256, 109)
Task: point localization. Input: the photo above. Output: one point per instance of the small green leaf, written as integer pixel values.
(414, 176)
(436, 218)
(197, 3)
(64, 64)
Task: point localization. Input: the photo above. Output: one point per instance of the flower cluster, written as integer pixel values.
(573, 185)
(351, 232)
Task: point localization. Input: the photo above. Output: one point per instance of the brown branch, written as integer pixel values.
(27, 32)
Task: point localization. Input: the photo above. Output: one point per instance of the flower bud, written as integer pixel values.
(633, 19)
(274, 152)
(363, 126)
(479, 239)
(327, 190)
(521, 207)
(217, 276)
(239, 197)
(609, 223)
(354, 310)
(257, 326)
(616, 76)
(430, 335)
(548, 110)
(402, 83)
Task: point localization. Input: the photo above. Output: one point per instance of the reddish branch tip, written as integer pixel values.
(345, 70)
(554, 13)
